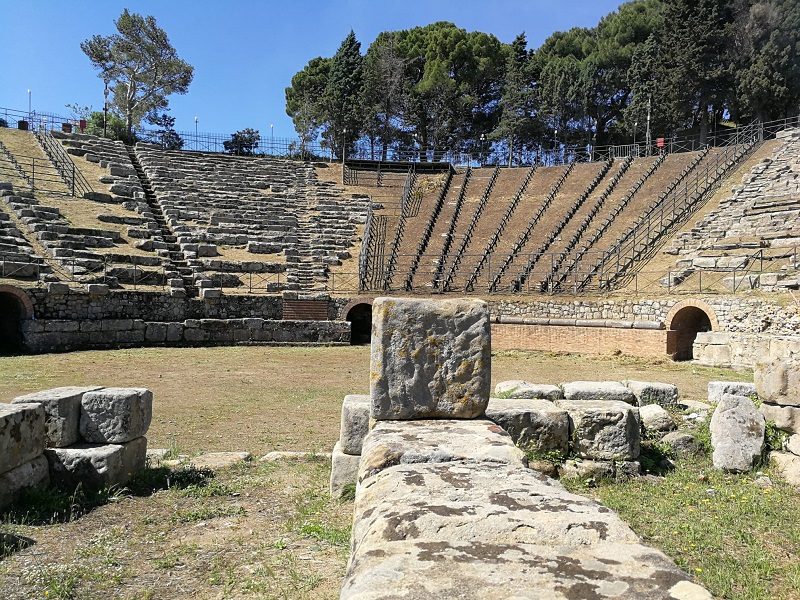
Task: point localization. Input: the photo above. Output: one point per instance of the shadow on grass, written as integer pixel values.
(656, 458)
(52, 505)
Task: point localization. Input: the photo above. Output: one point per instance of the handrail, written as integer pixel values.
(471, 227)
(675, 204)
(584, 225)
(451, 230)
(512, 206)
(522, 240)
(63, 163)
(398, 237)
(17, 168)
(598, 233)
(426, 235)
(534, 258)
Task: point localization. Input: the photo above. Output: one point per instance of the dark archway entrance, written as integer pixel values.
(10, 316)
(684, 327)
(360, 317)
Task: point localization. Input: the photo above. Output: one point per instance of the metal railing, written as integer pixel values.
(65, 166)
(550, 152)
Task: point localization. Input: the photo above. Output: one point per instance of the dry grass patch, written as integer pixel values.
(260, 398)
(255, 531)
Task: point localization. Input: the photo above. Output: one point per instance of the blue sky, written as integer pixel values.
(244, 53)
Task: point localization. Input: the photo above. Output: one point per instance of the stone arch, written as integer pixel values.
(684, 321)
(359, 313)
(15, 307)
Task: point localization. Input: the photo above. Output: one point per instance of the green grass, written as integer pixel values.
(739, 540)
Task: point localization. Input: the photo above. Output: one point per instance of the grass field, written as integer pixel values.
(260, 399)
(269, 530)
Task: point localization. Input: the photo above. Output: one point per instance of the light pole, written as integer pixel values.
(29, 106)
(196, 144)
(555, 144)
(344, 145)
(272, 139)
(415, 153)
(635, 125)
(483, 139)
(105, 107)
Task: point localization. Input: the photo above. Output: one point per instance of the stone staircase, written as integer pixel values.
(179, 274)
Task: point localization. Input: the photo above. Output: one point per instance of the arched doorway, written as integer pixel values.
(11, 314)
(360, 317)
(685, 323)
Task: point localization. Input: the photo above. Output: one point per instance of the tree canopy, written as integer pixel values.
(690, 64)
(139, 65)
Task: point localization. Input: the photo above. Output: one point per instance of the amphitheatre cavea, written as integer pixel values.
(367, 301)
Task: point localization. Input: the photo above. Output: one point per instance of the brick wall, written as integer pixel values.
(584, 340)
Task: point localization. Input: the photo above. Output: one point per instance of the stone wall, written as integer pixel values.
(62, 335)
(149, 306)
(72, 436)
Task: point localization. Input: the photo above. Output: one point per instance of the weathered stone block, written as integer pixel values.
(655, 420)
(391, 443)
(682, 443)
(778, 381)
(788, 465)
(523, 389)
(653, 392)
(586, 469)
(115, 415)
(355, 423)
(786, 418)
(603, 429)
(219, 460)
(430, 358)
(737, 434)
(57, 287)
(717, 389)
(22, 434)
(344, 471)
(423, 531)
(210, 293)
(96, 465)
(538, 426)
(97, 289)
(62, 409)
(598, 390)
(32, 474)
(156, 332)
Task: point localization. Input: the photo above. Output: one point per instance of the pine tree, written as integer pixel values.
(517, 100)
(342, 97)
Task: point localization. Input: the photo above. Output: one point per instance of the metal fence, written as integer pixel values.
(550, 152)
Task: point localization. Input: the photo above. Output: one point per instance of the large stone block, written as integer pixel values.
(523, 389)
(598, 390)
(344, 471)
(115, 415)
(22, 434)
(537, 426)
(737, 434)
(655, 420)
(603, 429)
(354, 424)
(717, 389)
(786, 418)
(32, 474)
(653, 392)
(788, 465)
(485, 531)
(96, 465)
(778, 381)
(429, 358)
(62, 409)
(391, 443)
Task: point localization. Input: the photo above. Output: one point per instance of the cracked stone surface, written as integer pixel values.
(429, 358)
(430, 441)
(115, 415)
(62, 408)
(22, 434)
